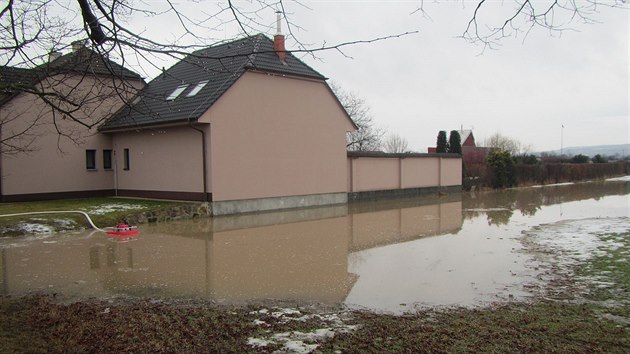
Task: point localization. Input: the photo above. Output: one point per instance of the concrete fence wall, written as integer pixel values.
(381, 172)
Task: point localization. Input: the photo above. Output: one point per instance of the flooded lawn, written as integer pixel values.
(387, 256)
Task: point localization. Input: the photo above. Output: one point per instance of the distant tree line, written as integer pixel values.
(508, 164)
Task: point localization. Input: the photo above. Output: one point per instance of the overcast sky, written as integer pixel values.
(422, 83)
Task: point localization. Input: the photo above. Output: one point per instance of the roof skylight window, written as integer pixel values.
(197, 88)
(178, 91)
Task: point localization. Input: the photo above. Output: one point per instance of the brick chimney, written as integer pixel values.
(278, 40)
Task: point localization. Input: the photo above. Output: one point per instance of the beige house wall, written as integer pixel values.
(401, 172)
(57, 163)
(160, 159)
(276, 136)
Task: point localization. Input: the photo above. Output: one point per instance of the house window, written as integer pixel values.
(197, 88)
(107, 159)
(90, 159)
(126, 159)
(177, 92)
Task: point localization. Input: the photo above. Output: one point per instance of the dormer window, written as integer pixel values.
(178, 91)
(197, 88)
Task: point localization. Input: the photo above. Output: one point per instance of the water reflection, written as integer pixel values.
(297, 255)
(375, 255)
(500, 207)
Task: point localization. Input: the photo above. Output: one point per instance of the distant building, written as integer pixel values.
(471, 153)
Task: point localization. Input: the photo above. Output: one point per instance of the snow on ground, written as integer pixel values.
(39, 226)
(577, 239)
(32, 228)
(562, 246)
(296, 341)
(58, 223)
(108, 208)
(623, 179)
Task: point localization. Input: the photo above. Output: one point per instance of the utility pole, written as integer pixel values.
(561, 140)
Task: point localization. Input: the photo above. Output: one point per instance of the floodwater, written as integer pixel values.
(393, 256)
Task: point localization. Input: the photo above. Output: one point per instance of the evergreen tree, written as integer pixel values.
(442, 144)
(502, 168)
(455, 143)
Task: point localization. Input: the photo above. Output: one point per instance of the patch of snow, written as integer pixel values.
(284, 312)
(303, 342)
(623, 179)
(65, 223)
(578, 238)
(261, 311)
(257, 342)
(108, 208)
(32, 228)
(299, 347)
(296, 341)
(258, 322)
(562, 246)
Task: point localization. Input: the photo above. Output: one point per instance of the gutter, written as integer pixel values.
(204, 160)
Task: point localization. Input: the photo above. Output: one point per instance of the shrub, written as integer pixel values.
(530, 159)
(579, 158)
(502, 169)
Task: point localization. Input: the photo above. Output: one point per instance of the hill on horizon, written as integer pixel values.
(616, 150)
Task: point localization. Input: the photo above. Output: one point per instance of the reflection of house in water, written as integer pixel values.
(290, 255)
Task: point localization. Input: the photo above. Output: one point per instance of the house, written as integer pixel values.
(467, 137)
(471, 153)
(49, 153)
(243, 125)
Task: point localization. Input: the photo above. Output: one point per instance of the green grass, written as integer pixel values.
(609, 274)
(9, 226)
(541, 327)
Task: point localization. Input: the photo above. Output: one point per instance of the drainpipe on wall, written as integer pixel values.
(203, 157)
(115, 170)
(1, 158)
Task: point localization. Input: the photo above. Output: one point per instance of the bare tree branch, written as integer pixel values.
(368, 137)
(395, 144)
(554, 16)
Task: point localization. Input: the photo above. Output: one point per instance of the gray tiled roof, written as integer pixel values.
(87, 61)
(221, 65)
(84, 62)
(11, 79)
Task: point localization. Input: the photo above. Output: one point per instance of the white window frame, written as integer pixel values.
(197, 88)
(178, 91)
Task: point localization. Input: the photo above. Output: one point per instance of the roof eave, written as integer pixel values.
(174, 123)
(283, 73)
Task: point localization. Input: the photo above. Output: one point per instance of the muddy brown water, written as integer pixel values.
(458, 250)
